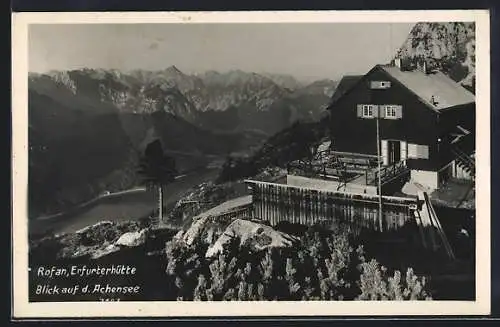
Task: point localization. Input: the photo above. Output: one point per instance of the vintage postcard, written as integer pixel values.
(182, 164)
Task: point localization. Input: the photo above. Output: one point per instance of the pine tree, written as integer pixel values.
(376, 285)
(290, 271)
(242, 291)
(229, 295)
(220, 273)
(260, 292)
(157, 169)
(266, 267)
(200, 290)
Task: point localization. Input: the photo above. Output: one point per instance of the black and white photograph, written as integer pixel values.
(207, 161)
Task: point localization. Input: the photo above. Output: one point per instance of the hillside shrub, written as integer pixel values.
(323, 266)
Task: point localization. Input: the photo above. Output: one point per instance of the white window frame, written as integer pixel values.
(369, 111)
(390, 111)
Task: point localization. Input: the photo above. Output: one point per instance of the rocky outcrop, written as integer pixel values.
(93, 241)
(131, 239)
(254, 235)
(449, 47)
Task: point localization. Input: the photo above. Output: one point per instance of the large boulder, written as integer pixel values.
(195, 230)
(131, 239)
(104, 251)
(208, 225)
(257, 236)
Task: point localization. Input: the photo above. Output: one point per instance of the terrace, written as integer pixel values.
(342, 171)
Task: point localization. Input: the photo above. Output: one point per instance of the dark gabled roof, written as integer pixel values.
(345, 84)
(434, 85)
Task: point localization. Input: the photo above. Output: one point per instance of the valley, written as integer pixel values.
(87, 128)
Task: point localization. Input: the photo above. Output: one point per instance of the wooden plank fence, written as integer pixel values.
(279, 202)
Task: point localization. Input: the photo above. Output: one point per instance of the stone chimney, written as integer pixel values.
(434, 101)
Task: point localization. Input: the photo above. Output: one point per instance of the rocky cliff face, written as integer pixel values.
(449, 47)
(129, 93)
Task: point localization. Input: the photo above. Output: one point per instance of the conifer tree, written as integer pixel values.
(157, 169)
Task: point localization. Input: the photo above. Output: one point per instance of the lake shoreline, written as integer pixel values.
(132, 204)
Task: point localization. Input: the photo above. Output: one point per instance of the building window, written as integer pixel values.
(367, 111)
(390, 111)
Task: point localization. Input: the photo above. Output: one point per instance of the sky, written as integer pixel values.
(308, 51)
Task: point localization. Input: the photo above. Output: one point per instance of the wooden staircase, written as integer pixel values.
(464, 161)
(463, 149)
(431, 231)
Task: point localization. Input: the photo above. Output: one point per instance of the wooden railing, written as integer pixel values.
(353, 155)
(242, 212)
(360, 162)
(386, 173)
(342, 166)
(465, 160)
(326, 171)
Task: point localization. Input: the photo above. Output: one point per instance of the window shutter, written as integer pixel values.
(382, 111)
(412, 150)
(402, 145)
(385, 158)
(399, 112)
(417, 151)
(375, 110)
(360, 110)
(423, 152)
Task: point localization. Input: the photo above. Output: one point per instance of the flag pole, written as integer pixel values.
(379, 171)
(378, 85)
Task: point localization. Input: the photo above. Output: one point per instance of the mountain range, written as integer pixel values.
(87, 127)
(194, 98)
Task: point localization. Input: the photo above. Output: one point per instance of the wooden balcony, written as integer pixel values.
(358, 170)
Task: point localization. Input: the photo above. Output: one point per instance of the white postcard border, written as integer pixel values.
(22, 308)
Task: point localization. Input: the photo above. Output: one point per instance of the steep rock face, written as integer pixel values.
(325, 87)
(185, 89)
(449, 47)
(237, 87)
(269, 110)
(195, 98)
(212, 90)
(285, 81)
(130, 93)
